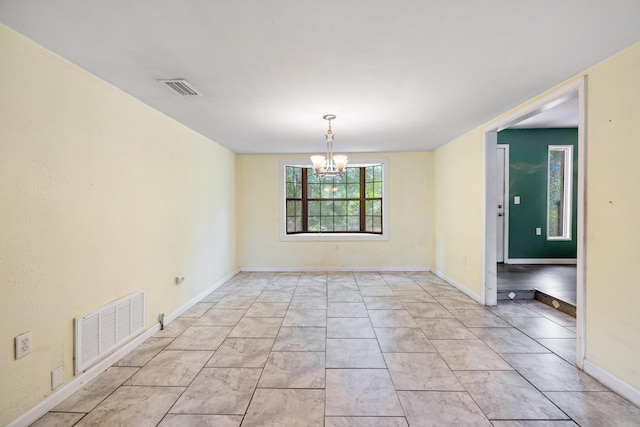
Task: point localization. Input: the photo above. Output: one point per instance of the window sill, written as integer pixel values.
(333, 237)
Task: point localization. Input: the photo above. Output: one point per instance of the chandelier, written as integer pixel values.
(330, 166)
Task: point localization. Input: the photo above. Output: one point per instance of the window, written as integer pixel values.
(352, 204)
(559, 184)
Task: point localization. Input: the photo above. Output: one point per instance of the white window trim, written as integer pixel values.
(568, 196)
(335, 237)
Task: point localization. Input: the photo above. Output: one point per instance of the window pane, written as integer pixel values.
(314, 208)
(353, 175)
(340, 223)
(353, 223)
(311, 178)
(291, 208)
(328, 190)
(377, 189)
(368, 190)
(291, 225)
(377, 176)
(368, 174)
(289, 171)
(353, 207)
(340, 191)
(353, 191)
(314, 191)
(376, 207)
(326, 223)
(559, 192)
(326, 208)
(314, 223)
(340, 208)
(294, 181)
(377, 224)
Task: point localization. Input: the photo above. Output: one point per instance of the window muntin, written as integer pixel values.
(351, 204)
(559, 185)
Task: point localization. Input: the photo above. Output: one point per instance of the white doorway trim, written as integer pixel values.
(576, 87)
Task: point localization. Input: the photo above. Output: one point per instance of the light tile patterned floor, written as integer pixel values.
(350, 349)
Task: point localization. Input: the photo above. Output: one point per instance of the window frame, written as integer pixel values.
(567, 202)
(348, 236)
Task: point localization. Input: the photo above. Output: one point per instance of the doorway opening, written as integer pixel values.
(504, 266)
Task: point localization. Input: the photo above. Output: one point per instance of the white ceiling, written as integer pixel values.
(408, 75)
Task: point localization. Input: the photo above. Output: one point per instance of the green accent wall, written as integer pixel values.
(528, 151)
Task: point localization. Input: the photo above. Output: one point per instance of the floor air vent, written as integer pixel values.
(181, 87)
(102, 330)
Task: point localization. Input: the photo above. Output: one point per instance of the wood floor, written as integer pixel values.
(558, 281)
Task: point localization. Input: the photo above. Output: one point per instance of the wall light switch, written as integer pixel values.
(516, 200)
(538, 231)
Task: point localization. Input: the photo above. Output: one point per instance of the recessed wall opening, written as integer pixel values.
(534, 206)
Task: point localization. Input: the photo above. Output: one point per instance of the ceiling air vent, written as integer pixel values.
(181, 87)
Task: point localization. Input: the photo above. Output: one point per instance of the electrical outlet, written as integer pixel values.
(179, 280)
(23, 345)
(57, 377)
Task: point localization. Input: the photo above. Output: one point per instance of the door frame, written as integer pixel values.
(576, 87)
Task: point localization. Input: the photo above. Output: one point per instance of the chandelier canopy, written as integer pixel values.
(330, 166)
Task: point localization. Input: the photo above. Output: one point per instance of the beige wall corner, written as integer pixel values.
(457, 203)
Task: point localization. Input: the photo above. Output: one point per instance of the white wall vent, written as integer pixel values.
(181, 87)
(102, 330)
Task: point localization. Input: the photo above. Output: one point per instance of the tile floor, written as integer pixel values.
(350, 349)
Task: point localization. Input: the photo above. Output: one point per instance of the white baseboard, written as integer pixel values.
(614, 383)
(559, 261)
(54, 399)
(249, 269)
(459, 286)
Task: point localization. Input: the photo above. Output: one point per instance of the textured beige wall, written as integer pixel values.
(457, 203)
(100, 196)
(613, 216)
(409, 244)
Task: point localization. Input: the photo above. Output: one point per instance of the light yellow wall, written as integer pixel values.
(458, 193)
(409, 245)
(100, 196)
(612, 212)
(613, 216)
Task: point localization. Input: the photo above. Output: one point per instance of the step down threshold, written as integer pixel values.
(556, 303)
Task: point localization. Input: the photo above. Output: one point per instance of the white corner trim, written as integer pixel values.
(614, 383)
(54, 399)
(250, 269)
(459, 286)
